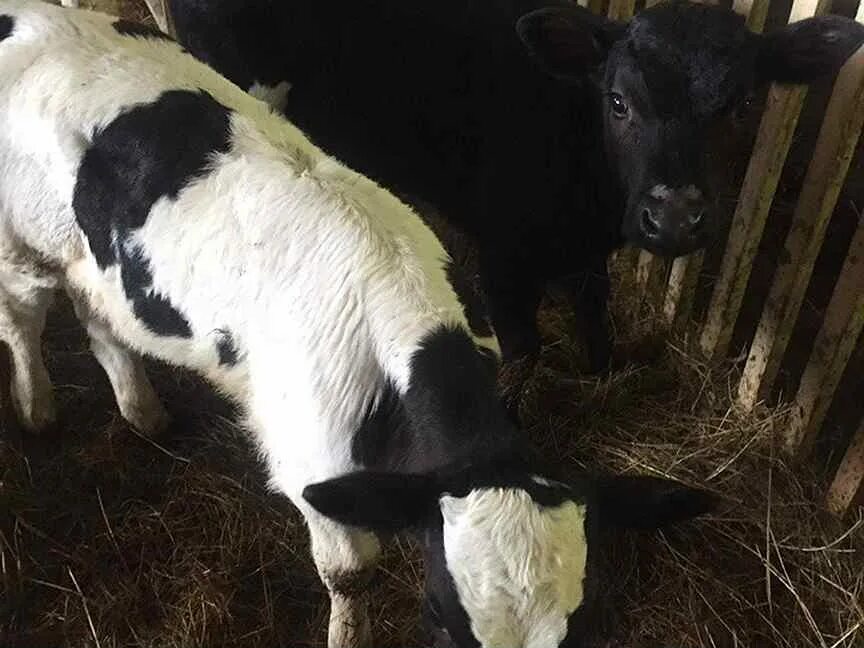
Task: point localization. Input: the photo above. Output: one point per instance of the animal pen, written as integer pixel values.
(194, 583)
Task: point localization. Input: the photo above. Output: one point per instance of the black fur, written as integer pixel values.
(449, 415)
(649, 502)
(808, 49)
(131, 28)
(7, 26)
(440, 100)
(227, 349)
(130, 164)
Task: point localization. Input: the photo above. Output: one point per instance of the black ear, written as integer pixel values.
(803, 51)
(567, 41)
(374, 500)
(649, 502)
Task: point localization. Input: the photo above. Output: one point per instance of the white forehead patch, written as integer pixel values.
(518, 568)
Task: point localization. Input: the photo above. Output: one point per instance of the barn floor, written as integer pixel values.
(110, 540)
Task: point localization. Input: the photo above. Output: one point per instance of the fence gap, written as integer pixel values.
(838, 139)
(844, 319)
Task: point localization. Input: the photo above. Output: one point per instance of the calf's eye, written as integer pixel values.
(619, 107)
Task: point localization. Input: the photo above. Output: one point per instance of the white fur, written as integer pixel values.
(327, 282)
(275, 95)
(518, 568)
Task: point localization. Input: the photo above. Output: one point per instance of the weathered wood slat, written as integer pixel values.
(755, 11)
(652, 274)
(162, 15)
(835, 147)
(597, 6)
(844, 320)
(621, 9)
(678, 303)
(763, 173)
(847, 488)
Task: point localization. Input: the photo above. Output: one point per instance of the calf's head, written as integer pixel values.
(511, 558)
(665, 78)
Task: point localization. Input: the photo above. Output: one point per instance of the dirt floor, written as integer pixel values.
(109, 540)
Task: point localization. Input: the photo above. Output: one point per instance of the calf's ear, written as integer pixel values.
(649, 502)
(805, 50)
(567, 41)
(378, 501)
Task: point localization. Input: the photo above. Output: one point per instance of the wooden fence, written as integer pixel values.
(670, 287)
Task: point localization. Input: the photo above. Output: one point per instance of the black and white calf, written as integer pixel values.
(548, 133)
(188, 221)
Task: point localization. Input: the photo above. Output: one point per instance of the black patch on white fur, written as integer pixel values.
(383, 430)
(228, 355)
(150, 151)
(131, 28)
(451, 412)
(150, 307)
(7, 26)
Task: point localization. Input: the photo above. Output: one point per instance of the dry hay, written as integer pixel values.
(109, 540)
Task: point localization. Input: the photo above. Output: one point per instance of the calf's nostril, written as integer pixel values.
(649, 224)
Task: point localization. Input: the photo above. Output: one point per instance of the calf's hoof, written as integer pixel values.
(349, 622)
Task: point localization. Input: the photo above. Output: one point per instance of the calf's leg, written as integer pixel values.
(346, 559)
(589, 292)
(134, 393)
(25, 294)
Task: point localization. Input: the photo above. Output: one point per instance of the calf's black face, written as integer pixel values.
(511, 558)
(663, 81)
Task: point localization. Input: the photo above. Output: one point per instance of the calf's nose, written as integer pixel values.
(673, 220)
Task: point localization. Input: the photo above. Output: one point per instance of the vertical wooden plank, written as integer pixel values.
(652, 274)
(597, 6)
(621, 9)
(162, 15)
(832, 155)
(680, 291)
(844, 319)
(755, 11)
(847, 487)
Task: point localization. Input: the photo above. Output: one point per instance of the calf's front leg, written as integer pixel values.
(589, 294)
(346, 559)
(512, 298)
